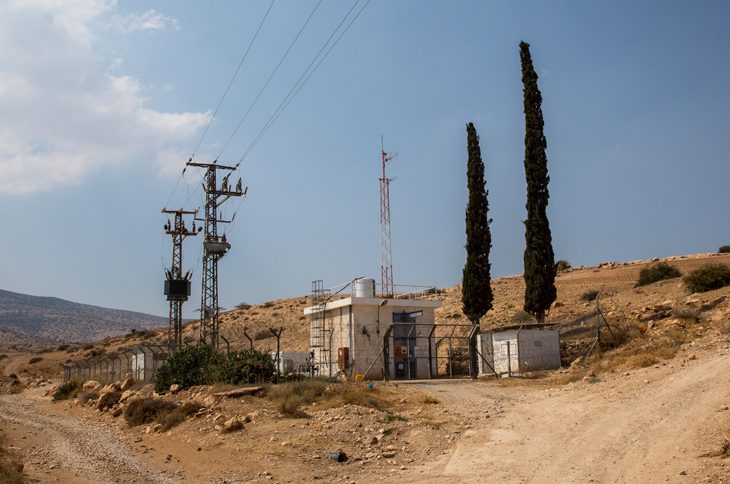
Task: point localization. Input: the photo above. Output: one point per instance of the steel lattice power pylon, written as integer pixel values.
(386, 264)
(177, 285)
(214, 246)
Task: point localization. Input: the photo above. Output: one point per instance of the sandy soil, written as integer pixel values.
(667, 423)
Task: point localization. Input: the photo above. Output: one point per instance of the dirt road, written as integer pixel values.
(658, 424)
(69, 449)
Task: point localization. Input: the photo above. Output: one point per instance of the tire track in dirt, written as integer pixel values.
(70, 446)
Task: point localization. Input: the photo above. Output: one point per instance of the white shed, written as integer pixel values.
(520, 348)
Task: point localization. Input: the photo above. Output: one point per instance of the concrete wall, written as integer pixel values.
(539, 349)
(530, 350)
(361, 328)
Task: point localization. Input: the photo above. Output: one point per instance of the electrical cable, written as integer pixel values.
(287, 100)
(220, 102)
(230, 83)
(273, 73)
(295, 90)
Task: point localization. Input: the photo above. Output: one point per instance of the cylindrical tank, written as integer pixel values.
(365, 288)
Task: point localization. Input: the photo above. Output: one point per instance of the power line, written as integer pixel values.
(296, 89)
(230, 83)
(273, 73)
(220, 102)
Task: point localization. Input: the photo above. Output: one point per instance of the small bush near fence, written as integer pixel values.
(708, 278)
(67, 390)
(194, 365)
(658, 272)
(202, 365)
(589, 295)
(248, 366)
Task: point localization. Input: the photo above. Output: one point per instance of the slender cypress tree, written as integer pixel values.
(476, 290)
(539, 260)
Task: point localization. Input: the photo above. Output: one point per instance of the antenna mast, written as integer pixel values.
(177, 284)
(386, 264)
(214, 246)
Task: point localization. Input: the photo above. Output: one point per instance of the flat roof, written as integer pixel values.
(374, 301)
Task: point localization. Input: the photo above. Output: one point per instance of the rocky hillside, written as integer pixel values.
(660, 305)
(50, 318)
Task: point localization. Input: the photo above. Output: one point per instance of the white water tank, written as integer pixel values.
(365, 288)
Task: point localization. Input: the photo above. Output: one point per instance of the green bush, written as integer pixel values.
(67, 390)
(589, 295)
(562, 265)
(708, 278)
(247, 367)
(193, 365)
(658, 272)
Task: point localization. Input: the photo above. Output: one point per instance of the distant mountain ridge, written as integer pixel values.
(60, 320)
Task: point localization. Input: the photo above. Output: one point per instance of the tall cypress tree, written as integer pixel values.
(539, 260)
(476, 290)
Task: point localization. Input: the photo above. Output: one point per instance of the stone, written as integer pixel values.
(232, 425)
(117, 412)
(389, 454)
(174, 388)
(126, 384)
(210, 401)
(126, 395)
(157, 428)
(337, 456)
(91, 385)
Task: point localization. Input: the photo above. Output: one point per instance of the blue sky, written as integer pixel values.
(101, 103)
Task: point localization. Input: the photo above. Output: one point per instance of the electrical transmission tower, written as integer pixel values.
(386, 264)
(214, 246)
(177, 285)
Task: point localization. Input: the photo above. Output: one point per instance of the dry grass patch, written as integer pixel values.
(290, 397)
(147, 410)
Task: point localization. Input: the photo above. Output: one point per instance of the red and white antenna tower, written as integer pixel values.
(386, 265)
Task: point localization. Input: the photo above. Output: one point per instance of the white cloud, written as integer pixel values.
(149, 20)
(63, 113)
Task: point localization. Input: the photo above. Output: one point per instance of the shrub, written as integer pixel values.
(589, 295)
(247, 366)
(178, 416)
(243, 305)
(35, 360)
(147, 410)
(521, 316)
(109, 399)
(725, 249)
(658, 272)
(62, 347)
(67, 390)
(708, 278)
(87, 346)
(194, 365)
(562, 265)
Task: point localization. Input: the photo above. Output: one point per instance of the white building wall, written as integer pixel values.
(502, 364)
(539, 349)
